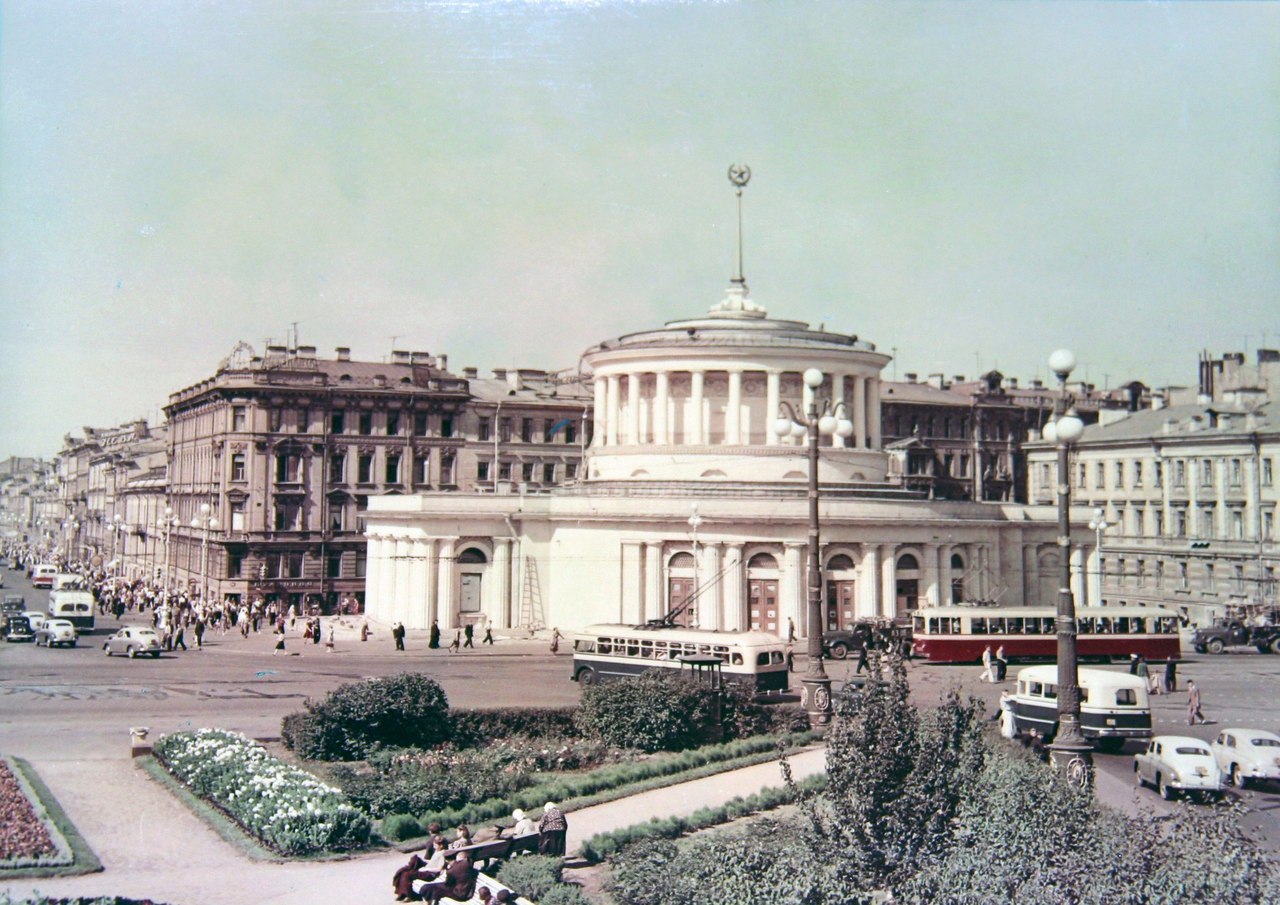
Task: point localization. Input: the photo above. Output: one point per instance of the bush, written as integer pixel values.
(399, 827)
(564, 894)
(469, 728)
(655, 711)
(532, 876)
(407, 710)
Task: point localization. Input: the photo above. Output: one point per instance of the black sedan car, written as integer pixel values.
(18, 628)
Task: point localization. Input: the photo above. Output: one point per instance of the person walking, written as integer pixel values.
(364, 630)
(456, 644)
(279, 649)
(1170, 676)
(1001, 664)
(434, 642)
(315, 631)
(791, 630)
(555, 640)
(1194, 713)
(397, 632)
(488, 635)
(468, 632)
(986, 674)
(328, 641)
(862, 659)
(178, 640)
(551, 830)
(199, 630)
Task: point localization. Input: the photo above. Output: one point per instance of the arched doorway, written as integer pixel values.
(957, 578)
(1050, 568)
(763, 613)
(471, 566)
(907, 584)
(681, 576)
(839, 609)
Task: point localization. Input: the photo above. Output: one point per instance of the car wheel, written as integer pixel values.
(1238, 779)
(587, 676)
(71, 644)
(1275, 645)
(155, 655)
(839, 650)
(1215, 646)
(1199, 648)
(1137, 776)
(107, 649)
(1166, 791)
(132, 652)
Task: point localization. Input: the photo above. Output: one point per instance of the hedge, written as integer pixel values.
(405, 710)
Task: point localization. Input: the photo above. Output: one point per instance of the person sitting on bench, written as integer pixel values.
(459, 882)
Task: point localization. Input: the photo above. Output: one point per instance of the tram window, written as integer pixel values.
(1051, 692)
(933, 625)
(736, 659)
(1126, 697)
(632, 649)
(1084, 626)
(950, 625)
(775, 657)
(660, 649)
(1015, 625)
(919, 623)
(996, 626)
(1138, 625)
(979, 624)
(704, 650)
(762, 658)
(1084, 695)
(1122, 625)
(646, 649)
(1050, 626)
(1036, 689)
(586, 646)
(604, 646)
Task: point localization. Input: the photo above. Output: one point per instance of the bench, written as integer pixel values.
(497, 849)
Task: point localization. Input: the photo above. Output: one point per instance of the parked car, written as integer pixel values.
(132, 641)
(1215, 639)
(1177, 763)
(1247, 755)
(55, 633)
(18, 628)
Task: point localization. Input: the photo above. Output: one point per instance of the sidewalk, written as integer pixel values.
(151, 846)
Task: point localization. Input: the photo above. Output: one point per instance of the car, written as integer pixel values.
(1178, 763)
(13, 605)
(1247, 755)
(55, 633)
(36, 619)
(133, 641)
(839, 643)
(18, 628)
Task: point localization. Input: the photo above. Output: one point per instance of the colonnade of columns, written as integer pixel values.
(416, 581)
(675, 407)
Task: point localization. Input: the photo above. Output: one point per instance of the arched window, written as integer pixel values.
(762, 561)
(681, 561)
(472, 556)
(957, 561)
(907, 563)
(839, 563)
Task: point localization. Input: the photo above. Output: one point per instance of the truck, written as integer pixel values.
(1223, 634)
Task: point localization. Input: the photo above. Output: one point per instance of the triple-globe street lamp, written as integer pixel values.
(830, 420)
(1097, 525)
(166, 523)
(118, 528)
(1070, 753)
(206, 522)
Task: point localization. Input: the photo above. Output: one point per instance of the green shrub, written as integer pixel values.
(469, 728)
(399, 827)
(564, 894)
(532, 876)
(655, 711)
(406, 710)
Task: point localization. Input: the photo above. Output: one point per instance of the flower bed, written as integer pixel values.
(27, 837)
(287, 809)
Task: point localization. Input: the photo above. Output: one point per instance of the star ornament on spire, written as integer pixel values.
(736, 302)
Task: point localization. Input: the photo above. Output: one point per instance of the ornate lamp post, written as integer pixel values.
(1098, 524)
(117, 527)
(1071, 754)
(208, 522)
(166, 523)
(695, 522)
(815, 422)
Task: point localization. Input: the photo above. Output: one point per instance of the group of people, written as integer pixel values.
(994, 666)
(447, 870)
(1156, 683)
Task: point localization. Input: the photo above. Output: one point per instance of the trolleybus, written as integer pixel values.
(955, 634)
(1114, 706)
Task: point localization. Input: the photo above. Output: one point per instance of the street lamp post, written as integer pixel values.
(814, 423)
(166, 523)
(208, 522)
(1070, 753)
(1098, 524)
(117, 527)
(695, 522)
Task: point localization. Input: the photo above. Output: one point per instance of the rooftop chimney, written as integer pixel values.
(470, 373)
(937, 381)
(420, 358)
(306, 351)
(910, 376)
(344, 353)
(399, 357)
(1013, 383)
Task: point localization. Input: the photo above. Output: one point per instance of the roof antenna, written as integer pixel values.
(739, 176)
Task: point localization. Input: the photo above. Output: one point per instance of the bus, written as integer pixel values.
(957, 634)
(605, 652)
(74, 605)
(1114, 706)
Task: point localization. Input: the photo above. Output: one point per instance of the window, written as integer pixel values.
(571, 471)
(333, 565)
(337, 468)
(570, 432)
(235, 564)
(288, 515)
(526, 472)
(237, 467)
(239, 418)
(1267, 476)
(485, 429)
(1180, 473)
(504, 430)
(362, 510)
(1159, 573)
(366, 423)
(1206, 472)
(237, 515)
(337, 422)
(526, 430)
(422, 468)
(393, 423)
(1159, 473)
(549, 472)
(1237, 524)
(337, 516)
(288, 467)
(446, 468)
(1208, 576)
(1238, 578)
(1182, 576)
(1235, 473)
(303, 424)
(364, 473)
(504, 471)
(361, 564)
(1137, 473)
(446, 426)
(1180, 523)
(1268, 526)
(482, 471)
(1157, 516)
(420, 424)
(293, 564)
(393, 468)
(1119, 475)
(277, 420)
(1100, 478)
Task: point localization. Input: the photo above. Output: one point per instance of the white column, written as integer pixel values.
(611, 411)
(633, 409)
(771, 405)
(661, 402)
(733, 607)
(432, 576)
(694, 432)
(1077, 574)
(860, 412)
(868, 591)
(837, 396)
(387, 580)
(945, 596)
(733, 414)
(446, 595)
(873, 412)
(1093, 565)
(374, 603)
(602, 413)
(888, 580)
(417, 616)
(654, 598)
(632, 583)
(929, 574)
(792, 590)
(500, 614)
(708, 602)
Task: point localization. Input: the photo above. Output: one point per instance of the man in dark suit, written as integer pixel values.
(459, 882)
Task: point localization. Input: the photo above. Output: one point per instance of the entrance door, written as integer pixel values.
(469, 592)
(839, 605)
(908, 595)
(679, 590)
(762, 604)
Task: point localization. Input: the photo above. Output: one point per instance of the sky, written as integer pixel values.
(966, 185)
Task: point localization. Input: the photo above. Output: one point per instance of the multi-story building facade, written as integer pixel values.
(30, 508)
(286, 450)
(1188, 502)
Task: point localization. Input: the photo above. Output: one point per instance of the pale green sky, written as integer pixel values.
(510, 182)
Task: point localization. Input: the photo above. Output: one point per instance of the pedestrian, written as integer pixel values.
(862, 659)
(456, 644)
(315, 631)
(1170, 676)
(1133, 664)
(200, 627)
(1194, 714)
(555, 640)
(468, 632)
(791, 630)
(1001, 664)
(328, 642)
(1140, 667)
(434, 641)
(488, 635)
(986, 674)
(551, 830)
(397, 632)
(279, 643)
(178, 640)
(364, 630)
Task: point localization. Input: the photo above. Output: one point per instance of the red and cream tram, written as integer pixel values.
(957, 634)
